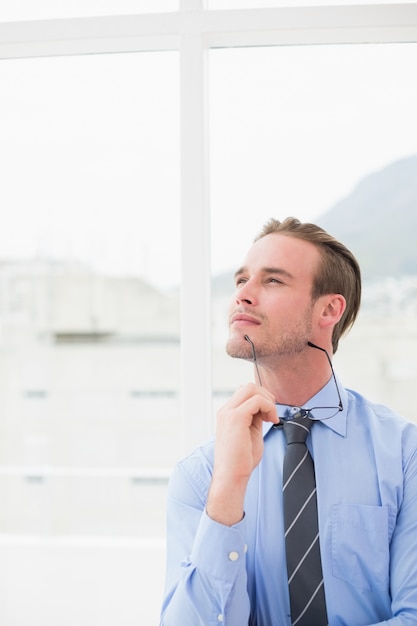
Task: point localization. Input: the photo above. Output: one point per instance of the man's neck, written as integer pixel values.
(294, 379)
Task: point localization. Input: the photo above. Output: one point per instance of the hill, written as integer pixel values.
(378, 221)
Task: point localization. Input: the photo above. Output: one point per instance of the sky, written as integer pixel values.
(89, 147)
(295, 129)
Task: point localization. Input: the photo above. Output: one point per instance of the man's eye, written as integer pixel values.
(274, 280)
(240, 281)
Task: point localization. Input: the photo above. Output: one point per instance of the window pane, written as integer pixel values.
(89, 323)
(293, 131)
(50, 9)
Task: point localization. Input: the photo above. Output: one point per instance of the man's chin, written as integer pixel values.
(238, 348)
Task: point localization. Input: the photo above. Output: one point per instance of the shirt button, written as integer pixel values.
(233, 556)
(220, 617)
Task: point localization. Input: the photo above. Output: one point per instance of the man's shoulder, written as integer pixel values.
(357, 402)
(195, 469)
(202, 455)
(379, 416)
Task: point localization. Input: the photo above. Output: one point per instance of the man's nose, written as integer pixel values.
(245, 294)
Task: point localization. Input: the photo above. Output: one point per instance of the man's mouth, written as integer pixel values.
(243, 319)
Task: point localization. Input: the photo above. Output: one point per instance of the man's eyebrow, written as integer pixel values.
(266, 270)
(277, 270)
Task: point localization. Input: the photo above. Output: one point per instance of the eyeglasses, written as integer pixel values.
(290, 411)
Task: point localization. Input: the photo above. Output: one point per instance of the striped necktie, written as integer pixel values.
(305, 578)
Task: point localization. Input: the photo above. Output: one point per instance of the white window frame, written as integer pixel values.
(193, 31)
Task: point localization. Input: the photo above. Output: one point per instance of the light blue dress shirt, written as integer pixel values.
(366, 472)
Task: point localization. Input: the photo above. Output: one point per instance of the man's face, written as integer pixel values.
(272, 303)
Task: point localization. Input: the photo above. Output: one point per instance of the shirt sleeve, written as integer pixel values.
(403, 550)
(206, 582)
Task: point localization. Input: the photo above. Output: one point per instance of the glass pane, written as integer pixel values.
(50, 9)
(89, 325)
(293, 132)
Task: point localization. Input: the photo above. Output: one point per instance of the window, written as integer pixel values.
(90, 274)
(105, 240)
(302, 126)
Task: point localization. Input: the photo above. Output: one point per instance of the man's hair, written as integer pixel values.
(338, 272)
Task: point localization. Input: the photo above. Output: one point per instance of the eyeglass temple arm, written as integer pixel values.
(250, 342)
(313, 345)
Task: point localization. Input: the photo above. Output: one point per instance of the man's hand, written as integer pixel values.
(238, 450)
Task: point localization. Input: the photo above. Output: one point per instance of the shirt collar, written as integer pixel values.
(325, 397)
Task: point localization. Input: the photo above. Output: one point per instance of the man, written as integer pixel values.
(297, 292)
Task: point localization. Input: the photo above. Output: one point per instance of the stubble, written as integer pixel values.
(287, 341)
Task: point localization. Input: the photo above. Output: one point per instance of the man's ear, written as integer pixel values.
(334, 306)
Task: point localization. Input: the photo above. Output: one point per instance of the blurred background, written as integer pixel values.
(142, 147)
